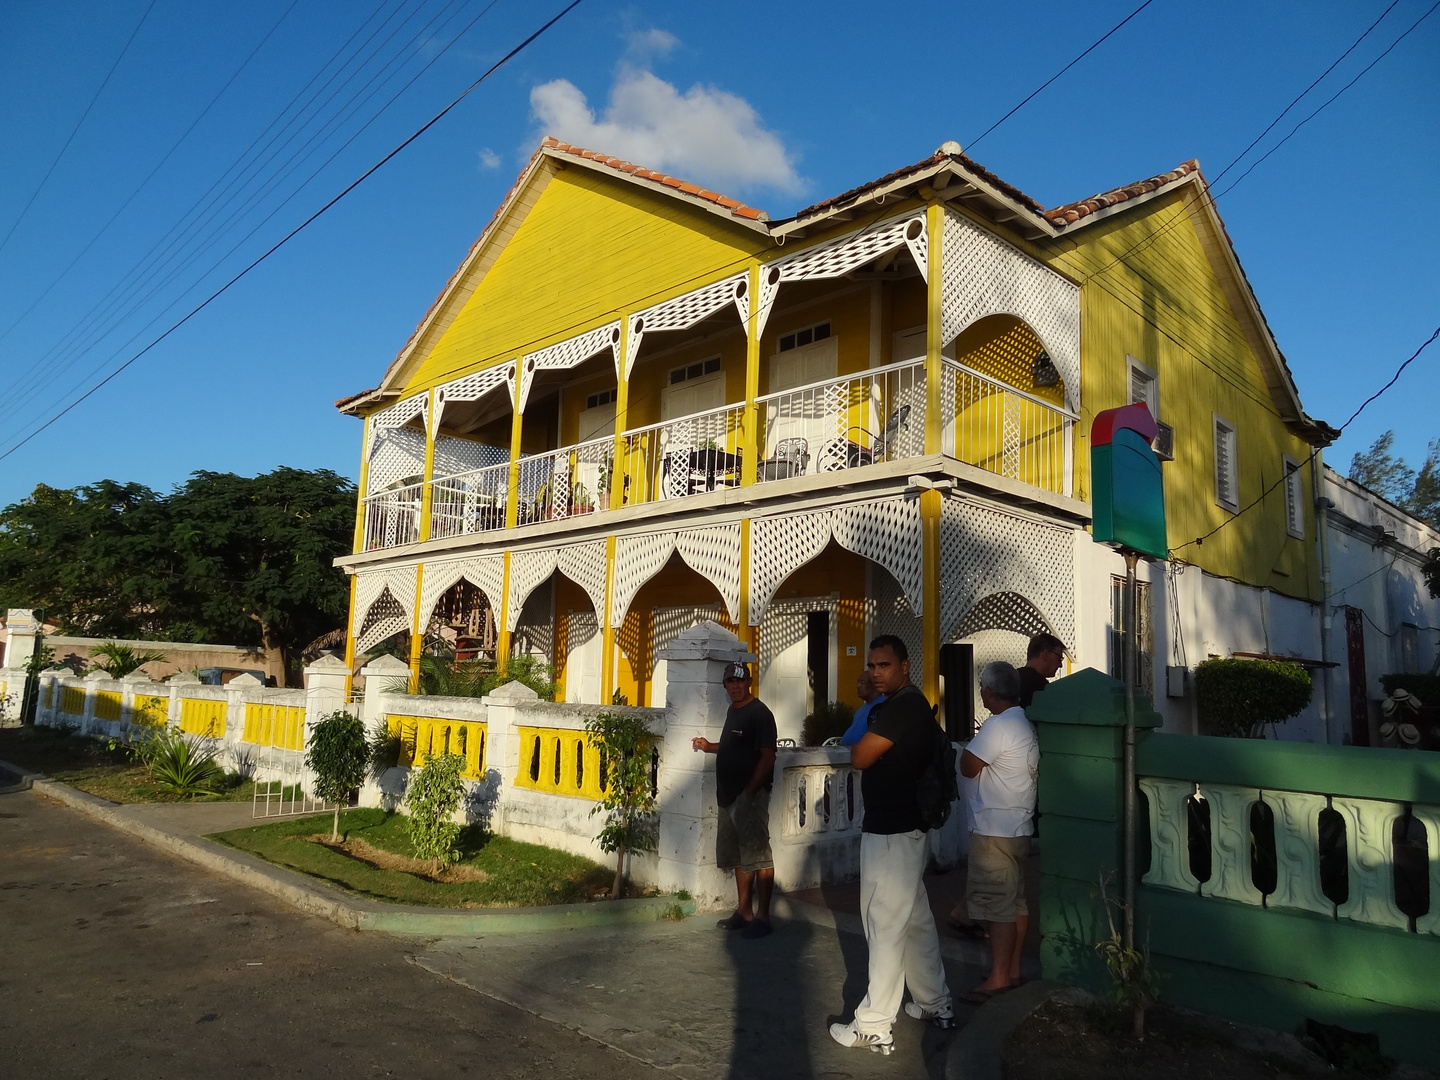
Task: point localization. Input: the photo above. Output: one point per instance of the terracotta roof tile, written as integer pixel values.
(1073, 212)
(739, 209)
(934, 159)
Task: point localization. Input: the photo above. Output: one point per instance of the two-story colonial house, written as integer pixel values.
(637, 404)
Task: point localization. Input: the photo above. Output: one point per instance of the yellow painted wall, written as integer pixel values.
(72, 700)
(674, 586)
(588, 248)
(275, 725)
(837, 570)
(422, 736)
(560, 761)
(203, 716)
(152, 710)
(107, 705)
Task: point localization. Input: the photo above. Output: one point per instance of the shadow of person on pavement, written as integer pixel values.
(771, 1027)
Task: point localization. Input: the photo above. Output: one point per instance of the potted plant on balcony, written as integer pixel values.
(602, 485)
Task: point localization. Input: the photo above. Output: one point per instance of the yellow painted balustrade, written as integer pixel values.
(202, 716)
(275, 725)
(561, 761)
(49, 694)
(151, 710)
(107, 705)
(421, 736)
(72, 700)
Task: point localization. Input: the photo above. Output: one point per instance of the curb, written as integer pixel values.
(316, 898)
(975, 1053)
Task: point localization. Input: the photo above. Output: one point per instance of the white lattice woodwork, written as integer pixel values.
(887, 532)
(982, 275)
(683, 312)
(637, 560)
(383, 602)
(401, 413)
(985, 551)
(395, 454)
(839, 257)
(584, 564)
(564, 355)
(528, 569)
(714, 554)
(486, 573)
(475, 386)
(779, 546)
(454, 455)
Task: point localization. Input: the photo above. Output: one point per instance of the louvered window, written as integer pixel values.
(1227, 481)
(1145, 390)
(1294, 496)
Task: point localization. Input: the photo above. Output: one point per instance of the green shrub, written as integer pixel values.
(118, 660)
(442, 677)
(628, 800)
(830, 720)
(1238, 697)
(339, 757)
(183, 764)
(432, 797)
(384, 748)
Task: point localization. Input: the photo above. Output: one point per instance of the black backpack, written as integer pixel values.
(936, 788)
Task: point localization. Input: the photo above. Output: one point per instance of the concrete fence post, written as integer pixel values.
(696, 700)
(177, 684)
(504, 708)
(380, 674)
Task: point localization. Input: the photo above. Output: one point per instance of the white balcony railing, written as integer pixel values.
(876, 415)
(1006, 431)
(469, 502)
(685, 456)
(392, 518)
(568, 482)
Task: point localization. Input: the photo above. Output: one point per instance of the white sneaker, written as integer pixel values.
(846, 1035)
(943, 1017)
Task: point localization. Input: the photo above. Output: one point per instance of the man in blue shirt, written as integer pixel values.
(869, 697)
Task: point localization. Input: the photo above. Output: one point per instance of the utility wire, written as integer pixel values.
(1036, 92)
(303, 225)
(78, 125)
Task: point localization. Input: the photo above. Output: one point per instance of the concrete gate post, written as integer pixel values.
(696, 700)
(1080, 721)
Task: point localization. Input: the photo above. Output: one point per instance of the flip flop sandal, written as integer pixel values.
(735, 922)
(979, 997)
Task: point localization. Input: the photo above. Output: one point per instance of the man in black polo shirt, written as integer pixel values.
(899, 927)
(744, 771)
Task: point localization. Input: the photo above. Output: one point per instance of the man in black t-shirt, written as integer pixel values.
(899, 927)
(1042, 660)
(744, 771)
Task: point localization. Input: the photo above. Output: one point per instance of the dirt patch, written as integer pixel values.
(371, 855)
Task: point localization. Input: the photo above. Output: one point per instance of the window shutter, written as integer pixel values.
(1225, 478)
(1294, 512)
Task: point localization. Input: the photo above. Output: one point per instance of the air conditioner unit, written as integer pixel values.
(1164, 444)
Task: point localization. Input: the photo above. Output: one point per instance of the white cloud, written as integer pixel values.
(705, 135)
(489, 159)
(652, 42)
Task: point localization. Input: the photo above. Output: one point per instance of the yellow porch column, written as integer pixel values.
(934, 372)
(359, 544)
(607, 632)
(350, 634)
(417, 629)
(432, 428)
(512, 486)
(930, 576)
(750, 447)
(622, 421)
(747, 633)
(502, 642)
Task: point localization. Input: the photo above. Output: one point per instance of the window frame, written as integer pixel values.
(1218, 425)
(1294, 498)
(1152, 403)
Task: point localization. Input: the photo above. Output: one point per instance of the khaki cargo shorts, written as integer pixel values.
(743, 838)
(995, 891)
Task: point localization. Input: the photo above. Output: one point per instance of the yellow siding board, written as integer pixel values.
(589, 247)
(107, 705)
(203, 716)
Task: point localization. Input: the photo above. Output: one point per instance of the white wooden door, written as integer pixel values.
(806, 415)
(693, 396)
(583, 659)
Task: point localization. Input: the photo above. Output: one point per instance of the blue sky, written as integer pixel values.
(778, 104)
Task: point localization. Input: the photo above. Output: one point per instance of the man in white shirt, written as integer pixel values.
(1002, 762)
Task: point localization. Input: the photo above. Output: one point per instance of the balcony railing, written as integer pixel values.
(392, 518)
(681, 457)
(1006, 431)
(568, 482)
(469, 502)
(877, 415)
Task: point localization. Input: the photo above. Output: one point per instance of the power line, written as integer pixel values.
(304, 224)
(1035, 93)
(78, 125)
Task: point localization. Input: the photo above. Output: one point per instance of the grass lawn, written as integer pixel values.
(92, 766)
(504, 872)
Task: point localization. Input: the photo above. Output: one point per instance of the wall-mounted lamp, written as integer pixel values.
(1044, 371)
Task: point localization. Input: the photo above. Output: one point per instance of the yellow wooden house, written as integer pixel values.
(638, 404)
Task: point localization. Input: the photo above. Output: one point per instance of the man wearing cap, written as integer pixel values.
(744, 770)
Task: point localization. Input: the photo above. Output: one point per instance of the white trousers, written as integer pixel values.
(899, 930)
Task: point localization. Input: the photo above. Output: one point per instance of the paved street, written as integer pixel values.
(117, 962)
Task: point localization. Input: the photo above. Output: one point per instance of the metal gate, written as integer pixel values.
(279, 785)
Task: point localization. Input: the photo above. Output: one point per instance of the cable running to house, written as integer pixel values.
(304, 224)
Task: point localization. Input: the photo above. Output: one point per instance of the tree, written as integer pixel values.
(628, 802)
(118, 660)
(432, 796)
(1380, 471)
(340, 758)
(257, 555)
(1424, 498)
(1238, 697)
(1431, 570)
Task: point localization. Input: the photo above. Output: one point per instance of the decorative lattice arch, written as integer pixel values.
(383, 602)
(485, 572)
(714, 554)
(637, 560)
(985, 550)
(474, 386)
(779, 546)
(839, 257)
(564, 355)
(401, 413)
(528, 569)
(395, 454)
(683, 312)
(1004, 611)
(584, 564)
(887, 532)
(454, 455)
(982, 275)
